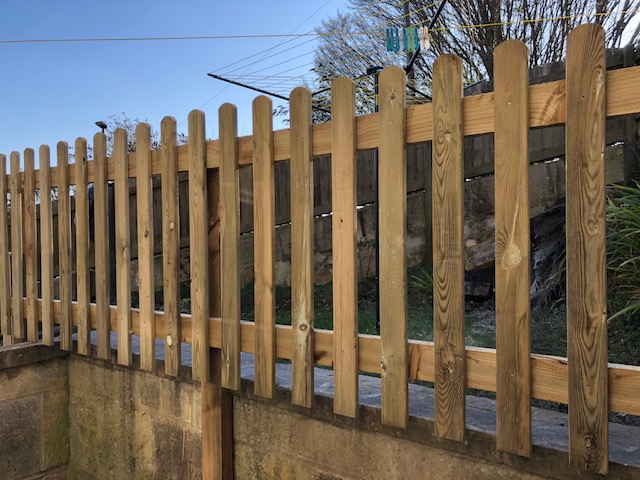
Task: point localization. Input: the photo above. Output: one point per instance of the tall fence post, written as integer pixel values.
(448, 248)
(392, 215)
(586, 251)
(513, 310)
(217, 402)
(5, 273)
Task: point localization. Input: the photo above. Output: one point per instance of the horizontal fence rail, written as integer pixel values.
(30, 310)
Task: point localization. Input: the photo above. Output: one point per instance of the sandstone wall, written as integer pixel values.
(34, 414)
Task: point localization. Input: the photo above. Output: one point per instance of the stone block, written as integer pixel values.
(20, 430)
(55, 429)
(178, 452)
(26, 381)
(287, 435)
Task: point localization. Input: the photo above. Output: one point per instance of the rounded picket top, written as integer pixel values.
(509, 51)
(80, 146)
(300, 94)
(262, 101)
(227, 108)
(196, 115)
(585, 31)
(392, 74)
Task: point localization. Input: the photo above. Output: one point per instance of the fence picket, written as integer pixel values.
(586, 251)
(301, 247)
(199, 240)
(5, 272)
(448, 248)
(229, 246)
(46, 246)
(144, 199)
(264, 246)
(122, 246)
(513, 306)
(392, 209)
(101, 242)
(29, 244)
(171, 246)
(64, 246)
(345, 273)
(82, 245)
(18, 330)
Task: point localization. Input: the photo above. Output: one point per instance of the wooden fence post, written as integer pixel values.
(392, 215)
(170, 246)
(198, 235)
(123, 246)
(586, 250)
(5, 272)
(301, 248)
(229, 246)
(448, 248)
(344, 225)
(217, 402)
(144, 199)
(102, 249)
(30, 243)
(82, 246)
(264, 247)
(64, 246)
(513, 305)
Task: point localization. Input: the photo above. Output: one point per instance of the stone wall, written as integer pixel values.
(34, 413)
(128, 424)
(80, 418)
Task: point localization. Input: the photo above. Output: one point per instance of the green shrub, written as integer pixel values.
(623, 250)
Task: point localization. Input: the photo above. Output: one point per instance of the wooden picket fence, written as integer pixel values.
(584, 380)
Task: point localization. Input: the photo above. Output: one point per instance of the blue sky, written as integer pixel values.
(56, 91)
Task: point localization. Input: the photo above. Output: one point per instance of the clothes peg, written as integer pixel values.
(425, 41)
(400, 39)
(410, 40)
(416, 39)
(389, 40)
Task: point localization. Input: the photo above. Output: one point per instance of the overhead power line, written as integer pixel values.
(280, 35)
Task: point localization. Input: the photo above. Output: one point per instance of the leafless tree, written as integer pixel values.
(353, 40)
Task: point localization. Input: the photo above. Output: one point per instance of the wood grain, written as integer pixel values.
(586, 251)
(123, 246)
(344, 226)
(171, 246)
(448, 248)
(29, 244)
(18, 330)
(229, 247)
(264, 247)
(513, 305)
(217, 402)
(301, 247)
(64, 245)
(101, 240)
(5, 259)
(392, 214)
(82, 245)
(548, 373)
(146, 275)
(199, 239)
(547, 107)
(46, 245)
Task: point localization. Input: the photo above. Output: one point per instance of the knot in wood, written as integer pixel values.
(169, 340)
(172, 225)
(303, 327)
(383, 367)
(590, 442)
(511, 257)
(146, 233)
